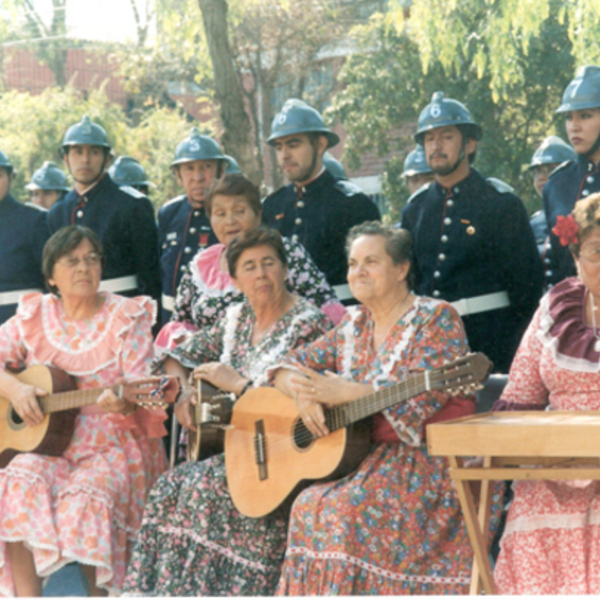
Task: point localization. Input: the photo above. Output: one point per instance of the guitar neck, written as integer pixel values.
(73, 399)
(345, 414)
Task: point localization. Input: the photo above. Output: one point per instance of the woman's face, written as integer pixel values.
(260, 275)
(231, 215)
(583, 129)
(77, 274)
(588, 262)
(372, 275)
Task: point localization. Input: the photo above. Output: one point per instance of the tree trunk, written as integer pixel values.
(236, 139)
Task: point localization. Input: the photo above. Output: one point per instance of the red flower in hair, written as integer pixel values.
(566, 229)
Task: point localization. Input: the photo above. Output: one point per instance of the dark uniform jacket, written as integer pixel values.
(539, 226)
(568, 183)
(23, 233)
(182, 230)
(474, 240)
(123, 220)
(319, 216)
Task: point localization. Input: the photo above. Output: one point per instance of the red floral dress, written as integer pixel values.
(86, 505)
(551, 543)
(394, 526)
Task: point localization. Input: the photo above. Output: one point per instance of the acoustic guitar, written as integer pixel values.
(270, 456)
(60, 407)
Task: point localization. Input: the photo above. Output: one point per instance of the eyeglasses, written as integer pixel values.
(591, 253)
(72, 262)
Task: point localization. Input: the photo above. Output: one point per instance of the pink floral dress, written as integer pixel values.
(551, 542)
(394, 526)
(86, 505)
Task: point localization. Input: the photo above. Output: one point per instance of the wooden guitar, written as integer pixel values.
(270, 455)
(211, 416)
(54, 433)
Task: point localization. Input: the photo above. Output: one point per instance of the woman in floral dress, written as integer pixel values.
(206, 288)
(87, 504)
(193, 540)
(394, 526)
(551, 542)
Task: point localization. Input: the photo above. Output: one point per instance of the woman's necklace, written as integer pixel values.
(597, 342)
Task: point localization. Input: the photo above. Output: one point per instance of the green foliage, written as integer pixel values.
(396, 70)
(48, 115)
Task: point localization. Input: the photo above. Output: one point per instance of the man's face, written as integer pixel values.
(85, 162)
(299, 159)
(195, 178)
(541, 174)
(5, 182)
(443, 147)
(44, 198)
(416, 182)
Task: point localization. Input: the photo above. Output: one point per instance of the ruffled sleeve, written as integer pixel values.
(13, 351)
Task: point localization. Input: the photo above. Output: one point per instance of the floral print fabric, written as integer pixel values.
(193, 541)
(394, 526)
(551, 542)
(87, 504)
(205, 292)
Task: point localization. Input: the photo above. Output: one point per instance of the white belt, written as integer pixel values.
(343, 292)
(7, 298)
(168, 302)
(479, 304)
(119, 284)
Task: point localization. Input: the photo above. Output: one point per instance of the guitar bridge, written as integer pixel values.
(260, 449)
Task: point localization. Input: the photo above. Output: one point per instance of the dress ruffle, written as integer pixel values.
(37, 312)
(563, 329)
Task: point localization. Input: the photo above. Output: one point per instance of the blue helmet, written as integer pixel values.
(583, 92)
(5, 163)
(416, 163)
(442, 112)
(296, 116)
(552, 150)
(233, 167)
(334, 166)
(48, 177)
(197, 147)
(85, 132)
(126, 170)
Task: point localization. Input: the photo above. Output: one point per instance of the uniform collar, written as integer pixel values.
(192, 208)
(322, 179)
(459, 188)
(586, 165)
(94, 190)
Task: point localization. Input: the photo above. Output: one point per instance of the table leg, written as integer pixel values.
(485, 502)
(478, 540)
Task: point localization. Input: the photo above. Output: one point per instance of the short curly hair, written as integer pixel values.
(587, 216)
(398, 244)
(252, 238)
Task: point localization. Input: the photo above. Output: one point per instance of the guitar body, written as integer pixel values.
(53, 434)
(258, 487)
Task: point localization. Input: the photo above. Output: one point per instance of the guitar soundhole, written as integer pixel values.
(303, 438)
(14, 420)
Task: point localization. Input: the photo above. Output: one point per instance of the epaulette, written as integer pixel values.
(416, 193)
(132, 191)
(32, 205)
(500, 186)
(173, 200)
(347, 187)
(562, 166)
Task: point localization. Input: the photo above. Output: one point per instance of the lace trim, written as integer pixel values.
(202, 540)
(200, 284)
(231, 320)
(540, 522)
(357, 562)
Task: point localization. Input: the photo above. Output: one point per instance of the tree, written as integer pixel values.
(380, 96)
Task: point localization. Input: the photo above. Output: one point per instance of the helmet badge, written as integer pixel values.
(436, 111)
(194, 146)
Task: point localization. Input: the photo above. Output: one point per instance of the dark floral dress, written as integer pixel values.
(193, 541)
